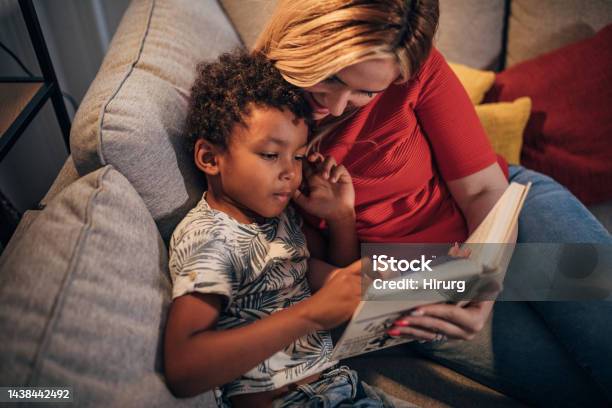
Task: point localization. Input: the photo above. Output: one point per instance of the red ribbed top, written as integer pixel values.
(402, 147)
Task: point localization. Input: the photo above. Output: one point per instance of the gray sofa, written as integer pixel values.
(84, 283)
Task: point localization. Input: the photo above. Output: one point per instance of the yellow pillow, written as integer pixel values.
(504, 123)
(475, 81)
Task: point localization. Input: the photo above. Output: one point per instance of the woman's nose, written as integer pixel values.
(337, 102)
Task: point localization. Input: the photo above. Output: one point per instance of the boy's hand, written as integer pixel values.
(332, 195)
(336, 301)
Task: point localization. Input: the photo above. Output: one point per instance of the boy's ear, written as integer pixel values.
(205, 156)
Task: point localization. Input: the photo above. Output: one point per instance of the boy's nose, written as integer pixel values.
(288, 174)
(291, 168)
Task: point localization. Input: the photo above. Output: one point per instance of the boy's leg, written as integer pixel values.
(339, 387)
(387, 401)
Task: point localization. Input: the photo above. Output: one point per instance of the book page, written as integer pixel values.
(367, 329)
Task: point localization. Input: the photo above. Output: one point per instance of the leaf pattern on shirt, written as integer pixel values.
(259, 269)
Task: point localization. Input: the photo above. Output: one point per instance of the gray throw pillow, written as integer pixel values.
(134, 111)
(85, 289)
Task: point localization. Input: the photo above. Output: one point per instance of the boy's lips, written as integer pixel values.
(283, 195)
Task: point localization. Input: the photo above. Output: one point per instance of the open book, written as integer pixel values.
(367, 329)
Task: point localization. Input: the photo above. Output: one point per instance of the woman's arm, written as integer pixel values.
(477, 193)
(468, 164)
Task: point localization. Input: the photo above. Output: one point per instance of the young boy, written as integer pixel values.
(243, 320)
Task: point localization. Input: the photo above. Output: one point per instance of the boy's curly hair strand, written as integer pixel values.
(225, 90)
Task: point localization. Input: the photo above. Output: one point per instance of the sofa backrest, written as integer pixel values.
(132, 115)
(461, 37)
(537, 27)
(472, 32)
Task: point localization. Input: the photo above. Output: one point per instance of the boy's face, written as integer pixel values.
(262, 167)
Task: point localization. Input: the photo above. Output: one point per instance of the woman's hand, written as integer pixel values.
(432, 322)
(331, 193)
(461, 321)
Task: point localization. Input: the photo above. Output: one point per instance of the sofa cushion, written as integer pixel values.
(67, 175)
(249, 17)
(132, 115)
(470, 32)
(84, 290)
(537, 27)
(504, 123)
(568, 133)
(475, 81)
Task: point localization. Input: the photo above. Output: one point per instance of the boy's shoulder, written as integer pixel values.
(202, 223)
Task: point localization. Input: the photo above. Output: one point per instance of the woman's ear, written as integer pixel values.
(205, 156)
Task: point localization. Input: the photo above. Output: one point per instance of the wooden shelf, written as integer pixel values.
(14, 98)
(20, 99)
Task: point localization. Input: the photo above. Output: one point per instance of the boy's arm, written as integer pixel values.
(343, 246)
(198, 357)
(318, 274)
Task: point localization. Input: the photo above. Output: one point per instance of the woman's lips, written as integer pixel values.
(315, 105)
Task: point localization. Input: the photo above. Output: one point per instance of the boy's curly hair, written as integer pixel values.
(224, 91)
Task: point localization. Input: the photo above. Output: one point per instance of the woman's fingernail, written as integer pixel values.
(417, 313)
(402, 323)
(393, 332)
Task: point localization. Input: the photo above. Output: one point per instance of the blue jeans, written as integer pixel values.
(543, 353)
(338, 387)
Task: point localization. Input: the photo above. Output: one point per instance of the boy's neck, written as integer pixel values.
(221, 202)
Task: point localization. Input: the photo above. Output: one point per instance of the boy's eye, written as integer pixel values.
(367, 93)
(269, 156)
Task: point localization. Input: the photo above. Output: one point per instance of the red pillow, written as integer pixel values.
(569, 133)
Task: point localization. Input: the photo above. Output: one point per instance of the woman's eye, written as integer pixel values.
(300, 157)
(269, 156)
(368, 94)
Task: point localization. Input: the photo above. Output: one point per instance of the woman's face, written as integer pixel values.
(352, 87)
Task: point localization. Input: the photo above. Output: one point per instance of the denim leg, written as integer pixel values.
(553, 214)
(543, 353)
(338, 388)
(516, 354)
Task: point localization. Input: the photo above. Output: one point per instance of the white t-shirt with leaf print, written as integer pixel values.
(258, 269)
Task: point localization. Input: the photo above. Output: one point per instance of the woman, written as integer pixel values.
(391, 111)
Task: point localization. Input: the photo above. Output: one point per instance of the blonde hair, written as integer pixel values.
(311, 40)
